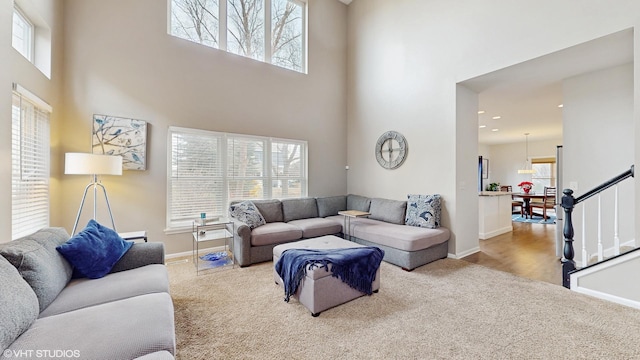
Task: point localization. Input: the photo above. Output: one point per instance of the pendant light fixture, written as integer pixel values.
(526, 169)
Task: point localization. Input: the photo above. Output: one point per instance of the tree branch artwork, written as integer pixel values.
(121, 136)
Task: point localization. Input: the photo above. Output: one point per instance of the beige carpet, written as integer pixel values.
(449, 309)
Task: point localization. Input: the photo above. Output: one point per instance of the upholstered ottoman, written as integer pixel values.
(319, 291)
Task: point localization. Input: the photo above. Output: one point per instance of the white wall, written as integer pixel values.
(600, 106)
(120, 61)
(506, 159)
(405, 59)
(15, 68)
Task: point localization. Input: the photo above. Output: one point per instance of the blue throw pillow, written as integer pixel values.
(94, 250)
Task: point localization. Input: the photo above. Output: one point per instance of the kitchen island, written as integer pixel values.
(494, 213)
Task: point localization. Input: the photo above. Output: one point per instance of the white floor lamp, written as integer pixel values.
(94, 165)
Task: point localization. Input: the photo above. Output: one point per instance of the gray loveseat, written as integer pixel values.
(290, 220)
(127, 314)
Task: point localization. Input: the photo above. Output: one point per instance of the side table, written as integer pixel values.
(220, 230)
(134, 235)
(348, 214)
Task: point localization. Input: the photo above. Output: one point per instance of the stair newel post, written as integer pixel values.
(568, 264)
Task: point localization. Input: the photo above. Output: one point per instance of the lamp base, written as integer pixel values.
(95, 184)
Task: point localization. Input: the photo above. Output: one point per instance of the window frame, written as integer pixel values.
(30, 39)
(36, 216)
(267, 55)
(174, 226)
(553, 172)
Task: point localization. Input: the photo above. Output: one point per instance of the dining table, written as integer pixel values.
(526, 199)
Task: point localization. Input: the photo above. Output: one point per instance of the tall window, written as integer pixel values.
(273, 31)
(208, 169)
(22, 34)
(545, 173)
(29, 163)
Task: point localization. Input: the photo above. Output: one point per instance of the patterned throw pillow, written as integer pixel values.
(423, 211)
(248, 213)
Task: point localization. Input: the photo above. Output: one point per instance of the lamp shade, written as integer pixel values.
(92, 164)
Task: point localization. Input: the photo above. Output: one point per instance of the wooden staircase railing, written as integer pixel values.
(568, 203)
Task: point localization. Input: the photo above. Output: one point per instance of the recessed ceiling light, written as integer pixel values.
(480, 111)
(482, 126)
(494, 130)
(496, 117)
(561, 105)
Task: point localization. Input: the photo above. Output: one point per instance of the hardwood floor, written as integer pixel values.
(527, 251)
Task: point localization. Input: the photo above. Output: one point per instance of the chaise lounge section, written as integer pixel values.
(291, 220)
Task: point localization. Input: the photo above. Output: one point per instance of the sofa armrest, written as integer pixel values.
(242, 243)
(140, 254)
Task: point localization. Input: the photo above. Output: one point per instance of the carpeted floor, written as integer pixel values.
(449, 309)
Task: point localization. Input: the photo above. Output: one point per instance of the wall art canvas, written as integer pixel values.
(121, 136)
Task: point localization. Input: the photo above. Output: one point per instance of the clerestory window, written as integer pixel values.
(23, 31)
(272, 31)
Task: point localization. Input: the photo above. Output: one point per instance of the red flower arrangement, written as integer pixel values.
(526, 186)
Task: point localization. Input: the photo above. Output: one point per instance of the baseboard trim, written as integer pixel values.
(464, 253)
(490, 234)
(608, 297)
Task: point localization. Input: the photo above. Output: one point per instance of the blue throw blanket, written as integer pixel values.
(356, 267)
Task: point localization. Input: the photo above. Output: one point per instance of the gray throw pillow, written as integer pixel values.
(247, 212)
(424, 211)
(18, 305)
(39, 263)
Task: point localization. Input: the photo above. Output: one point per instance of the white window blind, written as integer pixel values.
(288, 169)
(246, 167)
(30, 163)
(208, 169)
(195, 177)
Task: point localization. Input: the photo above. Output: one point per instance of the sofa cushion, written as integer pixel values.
(18, 304)
(391, 211)
(123, 329)
(270, 209)
(315, 227)
(402, 237)
(82, 293)
(299, 208)
(329, 206)
(424, 211)
(38, 262)
(94, 250)
(248, 213)
(158, 355)
(275, 233)
(357, 202)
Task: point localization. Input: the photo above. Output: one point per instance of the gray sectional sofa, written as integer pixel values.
(44, 313)
(290, 220)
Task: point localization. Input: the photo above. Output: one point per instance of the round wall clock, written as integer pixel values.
(391, 150)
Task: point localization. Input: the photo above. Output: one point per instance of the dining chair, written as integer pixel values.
(514, 203)
(548, 202)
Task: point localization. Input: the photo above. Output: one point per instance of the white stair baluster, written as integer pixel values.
(616, 238)
(585, 257)
(600, 247)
